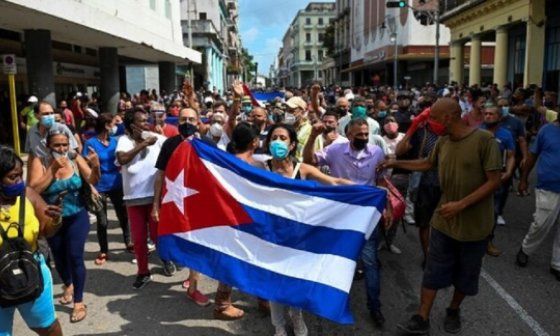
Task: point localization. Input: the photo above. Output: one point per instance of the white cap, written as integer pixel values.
(33, 100)
(349, 96)
(78, 94)
(92, 112)
(208, 100)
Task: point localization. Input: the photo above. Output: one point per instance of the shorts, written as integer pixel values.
(38, 313)
(453, 262)
(426, 204)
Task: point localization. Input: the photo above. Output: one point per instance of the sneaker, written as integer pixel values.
(522, 258)
(169, 268)
(141, 281)
(134, 261)
(198, 298)
(92, 218)
(415, 326)
(556, 273)
(492, 250)
(409, 220)
(300, 329)
(452, 323)
(394, 249)
(186, 284)
(381, 246)
(151, 247)
(378, 318)
(280, 331)
(501, 221)
(130, 248)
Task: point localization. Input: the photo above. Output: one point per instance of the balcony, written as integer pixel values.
(201, 27)
(451, 8)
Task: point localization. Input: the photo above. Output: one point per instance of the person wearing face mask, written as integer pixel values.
(296, 109)
(189, 120)
(36, 143)
(259, 118)
(506, 144)
(380, 112)
(40, 220)
(342, 107)
(216, 129)
(418, 142)
(359, 111)
(282, 145)
(59, 178)
(109, 185)
(403, 114)
(160, 126)
(356, 161)
(136, 153)
(330, 134)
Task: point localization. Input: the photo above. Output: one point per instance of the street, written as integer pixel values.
(512, 301)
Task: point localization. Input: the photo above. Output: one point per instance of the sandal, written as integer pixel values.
(101, 259)
(78, 314)
(66, 298)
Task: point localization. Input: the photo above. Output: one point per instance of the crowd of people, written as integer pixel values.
(452, 152)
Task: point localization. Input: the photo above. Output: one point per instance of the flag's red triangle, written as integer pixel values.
(211, 206)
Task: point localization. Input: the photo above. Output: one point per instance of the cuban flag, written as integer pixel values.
(289, 241)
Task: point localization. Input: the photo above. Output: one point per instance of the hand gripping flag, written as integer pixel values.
(289, 241)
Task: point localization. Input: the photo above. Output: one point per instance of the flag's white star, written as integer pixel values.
(177, 192)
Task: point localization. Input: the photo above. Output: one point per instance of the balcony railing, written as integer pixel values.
(450, 6)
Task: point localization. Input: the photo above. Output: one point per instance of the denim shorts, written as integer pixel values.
(38, 313)
(453, 262)
(426, 204)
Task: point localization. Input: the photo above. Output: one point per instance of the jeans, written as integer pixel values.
(371, 271)
(116, 197)
(67, 246)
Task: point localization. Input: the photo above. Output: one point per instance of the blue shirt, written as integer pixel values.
(505, 141)
(111, 178)
(547, 147)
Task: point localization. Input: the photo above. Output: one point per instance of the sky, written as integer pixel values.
(262, 24)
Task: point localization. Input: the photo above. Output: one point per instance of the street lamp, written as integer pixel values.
(393, 39)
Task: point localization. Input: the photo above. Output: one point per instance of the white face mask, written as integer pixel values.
(216, 130)
(289, 119)
(57, 155)
(146, 134)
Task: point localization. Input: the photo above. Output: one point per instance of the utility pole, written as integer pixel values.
(436, 51)
(395, 60)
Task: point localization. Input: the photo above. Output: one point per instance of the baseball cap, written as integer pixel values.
(296, 102)
(33, 100)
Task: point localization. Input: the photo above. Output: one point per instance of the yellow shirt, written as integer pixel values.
(31, 228)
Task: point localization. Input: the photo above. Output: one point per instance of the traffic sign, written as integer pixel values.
(9, 65)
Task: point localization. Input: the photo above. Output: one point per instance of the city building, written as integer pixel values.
(526, 34)
(378, 35)
(213, 26)
(341, 54)
(302, 53)
(66, 46)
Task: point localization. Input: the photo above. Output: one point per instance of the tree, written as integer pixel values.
(248, 64)
(328, 39)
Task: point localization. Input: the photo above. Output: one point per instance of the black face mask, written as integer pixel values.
(328, 129)
(491, 125)
(341, 112)
(186, 129)
(359, 144)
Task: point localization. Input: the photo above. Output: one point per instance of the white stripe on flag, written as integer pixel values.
(306, 209)
(326, 269)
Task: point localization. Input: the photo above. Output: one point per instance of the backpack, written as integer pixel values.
(21, 279)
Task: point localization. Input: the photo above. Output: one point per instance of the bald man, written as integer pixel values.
(469, 165)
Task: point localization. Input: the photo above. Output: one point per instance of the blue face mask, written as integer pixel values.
(47, 120)
(247, 108)
(13, 190)
(505, 111)
(120, 129)
(278, 149)
(382, 114)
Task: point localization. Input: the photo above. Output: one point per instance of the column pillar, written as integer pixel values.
(474, 71)
(39, 63)
(109, 71)
(457, 62)
(535, 44)
(500, 57)
(167, 76)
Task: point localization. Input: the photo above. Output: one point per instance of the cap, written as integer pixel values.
(33, 100)
(296, 102)
(92, 112)
(208, 100)
(349, 96)
(246, 100)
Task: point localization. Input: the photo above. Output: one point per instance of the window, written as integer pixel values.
(202, 16)
(91, 52)
(307, 21)
(320, 21)
(307, 37)
(320, 54)
(308, 55)
(153, 4)
(321, 37)
(77, 49)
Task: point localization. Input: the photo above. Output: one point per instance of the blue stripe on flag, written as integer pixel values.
(316, 239)
(354, 194)
(322, 300)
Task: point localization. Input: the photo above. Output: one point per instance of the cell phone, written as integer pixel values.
(60, 197)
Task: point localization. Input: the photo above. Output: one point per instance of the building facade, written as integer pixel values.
(69, 45)
(526, 34)
(302, 53)
(341, 55)
(213, 27)
(379, 35)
